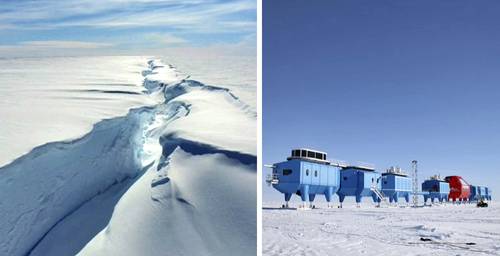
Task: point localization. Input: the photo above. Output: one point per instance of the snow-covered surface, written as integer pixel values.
(239, 73)
(174, 176)
(203, 209)
(381, 231)
(54, 99)
(214, 120)
(196, 203)
(39, 189)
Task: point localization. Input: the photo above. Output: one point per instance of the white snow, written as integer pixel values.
(186, 204)
(216, 120)
(203, 209)
(54, 99)
(41, 188)
(239, 73)
(160, 73)
(381, 231)
(175, 175)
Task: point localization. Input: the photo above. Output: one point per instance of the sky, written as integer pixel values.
(385, 83)
(125, 27)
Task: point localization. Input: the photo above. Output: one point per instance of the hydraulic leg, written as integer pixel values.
(358, 200)
(287, 199)
(376, 199)
(341, 199)
(311, 200)
(328, 195)
(304, 195)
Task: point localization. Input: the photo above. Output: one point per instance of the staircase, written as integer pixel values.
(379, 194)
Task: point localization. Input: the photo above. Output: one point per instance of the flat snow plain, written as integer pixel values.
(381, 231)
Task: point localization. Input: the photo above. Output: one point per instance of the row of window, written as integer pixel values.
(307, 153)
(287, 172)
(373, 179)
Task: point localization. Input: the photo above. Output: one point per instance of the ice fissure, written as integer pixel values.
(59, 184)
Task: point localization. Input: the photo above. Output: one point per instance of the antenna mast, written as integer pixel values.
(415, 183)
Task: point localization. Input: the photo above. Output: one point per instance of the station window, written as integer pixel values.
(307, 172)
(296, 153)
(310, 154)
(345, 178)
(303, 153)
(287, 172)
(319, 156)
(315, 173)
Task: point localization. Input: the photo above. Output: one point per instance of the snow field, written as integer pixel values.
(197, 198)
(41, 188)
(157, 170)
(381, 231)
(46, 100)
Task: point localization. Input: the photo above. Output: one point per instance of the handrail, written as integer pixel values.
(379, 194)
(272, 179)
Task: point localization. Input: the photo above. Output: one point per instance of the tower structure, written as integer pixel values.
(415, 183)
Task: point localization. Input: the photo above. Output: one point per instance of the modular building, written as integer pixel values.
(435, 188)
(306, 173)
(396, 184)
(487, 193)
(459, 188)
(481, 190)
(475, 193)
(359, 182)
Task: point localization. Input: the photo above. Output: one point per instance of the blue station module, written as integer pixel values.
(487, 193)
(435, 188)
(475, 194)
(396, 184)
(481, 191)
(306, 173)
(359, 182)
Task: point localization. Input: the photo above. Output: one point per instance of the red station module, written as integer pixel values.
(459, 188)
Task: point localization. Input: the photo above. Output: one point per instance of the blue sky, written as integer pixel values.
(124, 26)
(385, 82)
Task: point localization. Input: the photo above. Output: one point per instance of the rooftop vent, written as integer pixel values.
(395, 170)
(308, 154)
(436, 177)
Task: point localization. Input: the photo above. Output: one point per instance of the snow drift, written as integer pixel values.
(173, 178)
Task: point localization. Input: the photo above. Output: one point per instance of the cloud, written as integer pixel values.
(51, 48)
(246, 47)
(124, 26)
(166, 39)
(7, 26)
(64, 44)
(199, 16)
